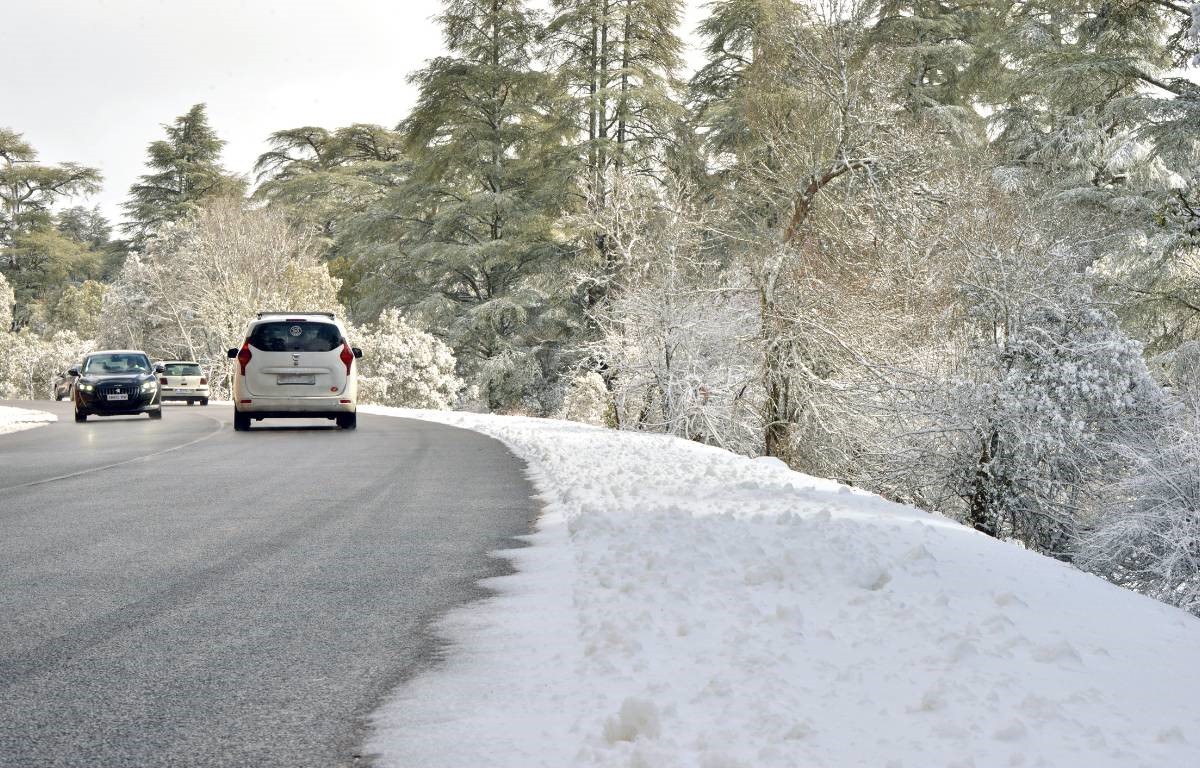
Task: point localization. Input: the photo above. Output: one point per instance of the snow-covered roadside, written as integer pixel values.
(17, 419)
(682, 606)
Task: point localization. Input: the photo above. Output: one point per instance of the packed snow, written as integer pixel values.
(17, 419)
(679, 605)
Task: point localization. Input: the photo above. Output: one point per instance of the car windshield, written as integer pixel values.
(182, 369)
(121, 362)
(296, 336)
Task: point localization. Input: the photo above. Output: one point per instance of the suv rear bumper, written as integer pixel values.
(294, 407)
(185, 393)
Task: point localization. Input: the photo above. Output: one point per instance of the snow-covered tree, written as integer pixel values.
(588, 401)
(1148, 537)
(404, 366)
(1019, 435)
(190, 295)
(7, 299)
(29, 362)
(676, 345)
(810, 144)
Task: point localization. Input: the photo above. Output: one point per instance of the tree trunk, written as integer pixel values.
(983, 508)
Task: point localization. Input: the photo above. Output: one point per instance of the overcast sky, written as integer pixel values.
(94, 80)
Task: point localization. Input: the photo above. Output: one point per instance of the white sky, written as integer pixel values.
(92, 81)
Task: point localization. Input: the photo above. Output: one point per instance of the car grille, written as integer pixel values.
(116, 388)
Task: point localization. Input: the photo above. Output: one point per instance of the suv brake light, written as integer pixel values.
(244, 356)
(347, 356)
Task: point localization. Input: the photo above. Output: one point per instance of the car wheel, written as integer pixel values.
(204, 401)
(347, 420)
(80, 415)
(57, 397)
(191, 402)
(155, 414)
(241, 422)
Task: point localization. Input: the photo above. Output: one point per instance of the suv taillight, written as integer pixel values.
(347, 356)
(244, 356)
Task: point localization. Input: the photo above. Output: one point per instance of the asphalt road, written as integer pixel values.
(173, 593)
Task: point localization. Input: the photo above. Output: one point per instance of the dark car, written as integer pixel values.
(63, 382)
(114, 382)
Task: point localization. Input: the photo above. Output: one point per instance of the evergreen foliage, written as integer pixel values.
(617, 59)
(469, 242)
(38, 257)
(185, 169)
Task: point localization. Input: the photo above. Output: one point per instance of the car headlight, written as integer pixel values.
(87, 387)
(149, 385)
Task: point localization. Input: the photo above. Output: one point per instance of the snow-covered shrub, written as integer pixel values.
(676, 338)
(404, 366)
(1149, 538)
(1021, 436)
(7, 300)
(588, 401)
(508, 382)
(29, 362)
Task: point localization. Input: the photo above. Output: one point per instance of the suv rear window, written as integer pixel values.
(301, 336)
(182, 369)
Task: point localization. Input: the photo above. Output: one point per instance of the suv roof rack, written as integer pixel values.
(297, 312)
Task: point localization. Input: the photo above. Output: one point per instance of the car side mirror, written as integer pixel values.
(357, 353)
(160, 369)
(73, 372)
(231, 353)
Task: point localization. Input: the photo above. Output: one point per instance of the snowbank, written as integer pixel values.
(17, 419)
(682, 606)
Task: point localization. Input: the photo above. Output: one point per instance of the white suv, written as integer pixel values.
(295, 365)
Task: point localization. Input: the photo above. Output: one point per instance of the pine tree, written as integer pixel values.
(746, 86)
(469, 243)
(324, 176)
(617, 59)
(186, 170)
(325, 179)
(952, 58)
(1095, 122)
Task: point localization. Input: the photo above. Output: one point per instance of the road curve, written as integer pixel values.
(174, 593)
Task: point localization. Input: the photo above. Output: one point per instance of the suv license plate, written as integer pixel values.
(297, 378)
(118, 397)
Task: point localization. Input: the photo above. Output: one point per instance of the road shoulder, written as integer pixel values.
(20, 419)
